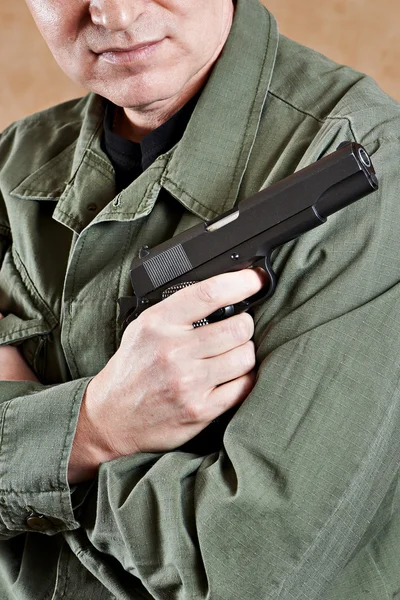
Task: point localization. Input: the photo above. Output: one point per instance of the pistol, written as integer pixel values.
(247, 235)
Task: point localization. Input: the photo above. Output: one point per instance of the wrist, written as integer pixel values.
(89, 449)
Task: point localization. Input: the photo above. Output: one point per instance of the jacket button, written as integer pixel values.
(39, 522)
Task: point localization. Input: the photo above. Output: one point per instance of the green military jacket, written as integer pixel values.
(302, 499)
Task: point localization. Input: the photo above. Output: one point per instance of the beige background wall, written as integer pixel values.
(362, 33)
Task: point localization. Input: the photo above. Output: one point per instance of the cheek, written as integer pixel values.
(198, 45)
(58, 21)
(204, 25)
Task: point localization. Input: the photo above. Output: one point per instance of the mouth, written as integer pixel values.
(138, 52)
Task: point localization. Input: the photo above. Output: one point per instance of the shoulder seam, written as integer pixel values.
(303, 112)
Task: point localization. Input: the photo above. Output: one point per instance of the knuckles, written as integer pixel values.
(193, 412)
(249, 356)
(149, 323)
(208, 291)
(240, 327)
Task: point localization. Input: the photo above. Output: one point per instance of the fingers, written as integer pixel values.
(218, 338)
(230, 394)
(231, 365)
(201, 299)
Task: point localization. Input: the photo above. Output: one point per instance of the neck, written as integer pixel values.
(135, 124)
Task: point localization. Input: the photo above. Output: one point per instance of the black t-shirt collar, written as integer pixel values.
(123, 151)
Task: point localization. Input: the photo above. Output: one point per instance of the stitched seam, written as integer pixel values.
(74, 220)
(2, 426)
(66, 214)
(249, 118)
(180, 189)
(92, 155)
(124, 251)
(141, 203)
(35, 493)
(301, 111)
(65, 450)
(34, 330)
(120, 213)
(31, 288)
(96, 129)
(33, 195)
(31, 122)
(68, 337)
(93, 160)
(54, 162)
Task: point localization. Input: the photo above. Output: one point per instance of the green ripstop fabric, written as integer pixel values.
(302, 500)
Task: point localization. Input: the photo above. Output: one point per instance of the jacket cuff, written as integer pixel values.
(37, 428)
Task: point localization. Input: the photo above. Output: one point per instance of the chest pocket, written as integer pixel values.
(28, 321)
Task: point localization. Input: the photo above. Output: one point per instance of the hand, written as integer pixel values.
(13, 366)
(168, 381)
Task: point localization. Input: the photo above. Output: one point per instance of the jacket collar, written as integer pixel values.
(207, 167)
(205, 170)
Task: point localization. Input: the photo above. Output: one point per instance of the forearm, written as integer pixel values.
(12, 365)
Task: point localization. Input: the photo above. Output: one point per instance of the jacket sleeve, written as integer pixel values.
(37, 425)
(312, 455)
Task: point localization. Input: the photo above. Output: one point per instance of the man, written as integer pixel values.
(101, 495)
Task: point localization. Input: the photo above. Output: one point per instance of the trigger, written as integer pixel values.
(267, 291)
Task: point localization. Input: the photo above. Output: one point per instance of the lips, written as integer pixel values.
(128, 49)
(132, 54)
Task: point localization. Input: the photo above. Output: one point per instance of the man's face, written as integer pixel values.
(134, 52)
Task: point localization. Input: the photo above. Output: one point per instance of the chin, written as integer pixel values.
(137, 92)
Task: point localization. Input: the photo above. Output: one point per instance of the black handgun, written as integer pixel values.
(246, 235)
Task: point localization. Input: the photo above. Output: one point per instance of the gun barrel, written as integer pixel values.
(352, 188)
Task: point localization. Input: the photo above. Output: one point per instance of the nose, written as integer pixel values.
(115, 15)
